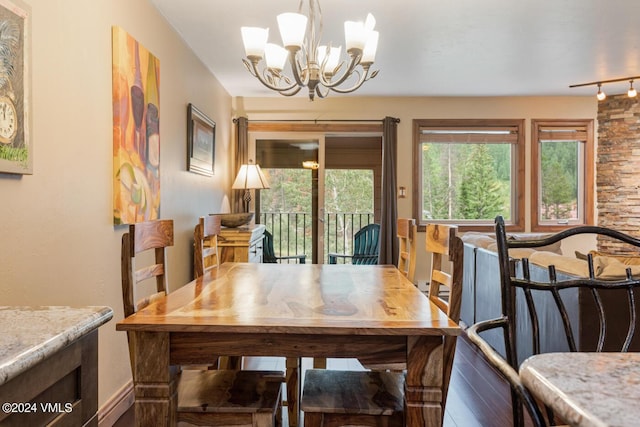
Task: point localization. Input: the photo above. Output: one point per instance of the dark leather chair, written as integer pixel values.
(366, 247)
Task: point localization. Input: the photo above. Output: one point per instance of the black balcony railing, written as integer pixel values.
(292, 232)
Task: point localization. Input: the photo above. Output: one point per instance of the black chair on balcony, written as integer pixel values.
(366, 247)
(269, 255)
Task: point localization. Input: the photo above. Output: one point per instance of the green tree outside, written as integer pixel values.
(466, 181)
(559, 182)
(480, 192)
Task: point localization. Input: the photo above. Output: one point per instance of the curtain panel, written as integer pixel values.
(241, 157)
(389, 247)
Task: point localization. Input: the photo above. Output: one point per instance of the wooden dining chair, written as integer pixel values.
(546, 310)
(205, 245)
(206, 257)
(407, 233)
(205, 397)
(353, 398)
(445, 288)
(447, 264)
(337, 398)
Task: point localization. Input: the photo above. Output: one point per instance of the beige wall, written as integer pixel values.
(408, 109)
(59, 244)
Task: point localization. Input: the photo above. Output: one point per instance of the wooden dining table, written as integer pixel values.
(246, 309)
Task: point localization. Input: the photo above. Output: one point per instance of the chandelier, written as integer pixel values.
(320, 68)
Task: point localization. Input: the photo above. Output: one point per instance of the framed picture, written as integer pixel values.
(16, 149)
(201, 142)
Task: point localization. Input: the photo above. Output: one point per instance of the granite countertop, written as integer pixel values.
(587, 389)
(31, 334)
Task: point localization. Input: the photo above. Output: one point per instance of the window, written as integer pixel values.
(562, 179)
(469, 171)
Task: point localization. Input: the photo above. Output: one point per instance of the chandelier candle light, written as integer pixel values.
(317, 67)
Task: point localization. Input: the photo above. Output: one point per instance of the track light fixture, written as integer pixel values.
(600, 95)
(631, 93)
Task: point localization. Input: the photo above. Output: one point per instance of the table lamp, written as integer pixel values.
(250, 177)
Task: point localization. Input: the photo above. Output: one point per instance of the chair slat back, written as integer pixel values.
(366, 245)
(602, 303)
(407, 231)
(443, 243)
(152, 235)
(594, 291)
(268, 253)
(205, 244)
(446, 247)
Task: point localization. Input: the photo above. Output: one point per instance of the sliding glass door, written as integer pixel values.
(292, 208)
(323, 189)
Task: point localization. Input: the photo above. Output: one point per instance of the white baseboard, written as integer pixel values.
(116, 406)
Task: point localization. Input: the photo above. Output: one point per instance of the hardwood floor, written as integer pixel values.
(478, 396)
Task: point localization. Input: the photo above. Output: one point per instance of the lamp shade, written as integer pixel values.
(355, 35)
(293, 27)
(254, 40)
(250, 177)
(276, 56)
(369, 53)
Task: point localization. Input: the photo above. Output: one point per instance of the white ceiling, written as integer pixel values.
(439, 47)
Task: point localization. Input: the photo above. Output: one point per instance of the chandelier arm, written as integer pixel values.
(293, 92)
(319, 92)
(256, 73)
(362, 78)
(353, 64)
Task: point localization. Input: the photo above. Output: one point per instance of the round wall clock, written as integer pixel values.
(8, 120)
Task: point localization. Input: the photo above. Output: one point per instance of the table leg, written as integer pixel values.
(233, 363)
(424, 385)
(154, 380)
(449, 351)
(293, 388)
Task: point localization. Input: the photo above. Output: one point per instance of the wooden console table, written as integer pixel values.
(242, 244)
(49, 365)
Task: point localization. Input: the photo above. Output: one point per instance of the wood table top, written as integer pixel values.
(296, 299)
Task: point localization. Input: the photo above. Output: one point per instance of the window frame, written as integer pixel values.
(517, 221)
(588, 167)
